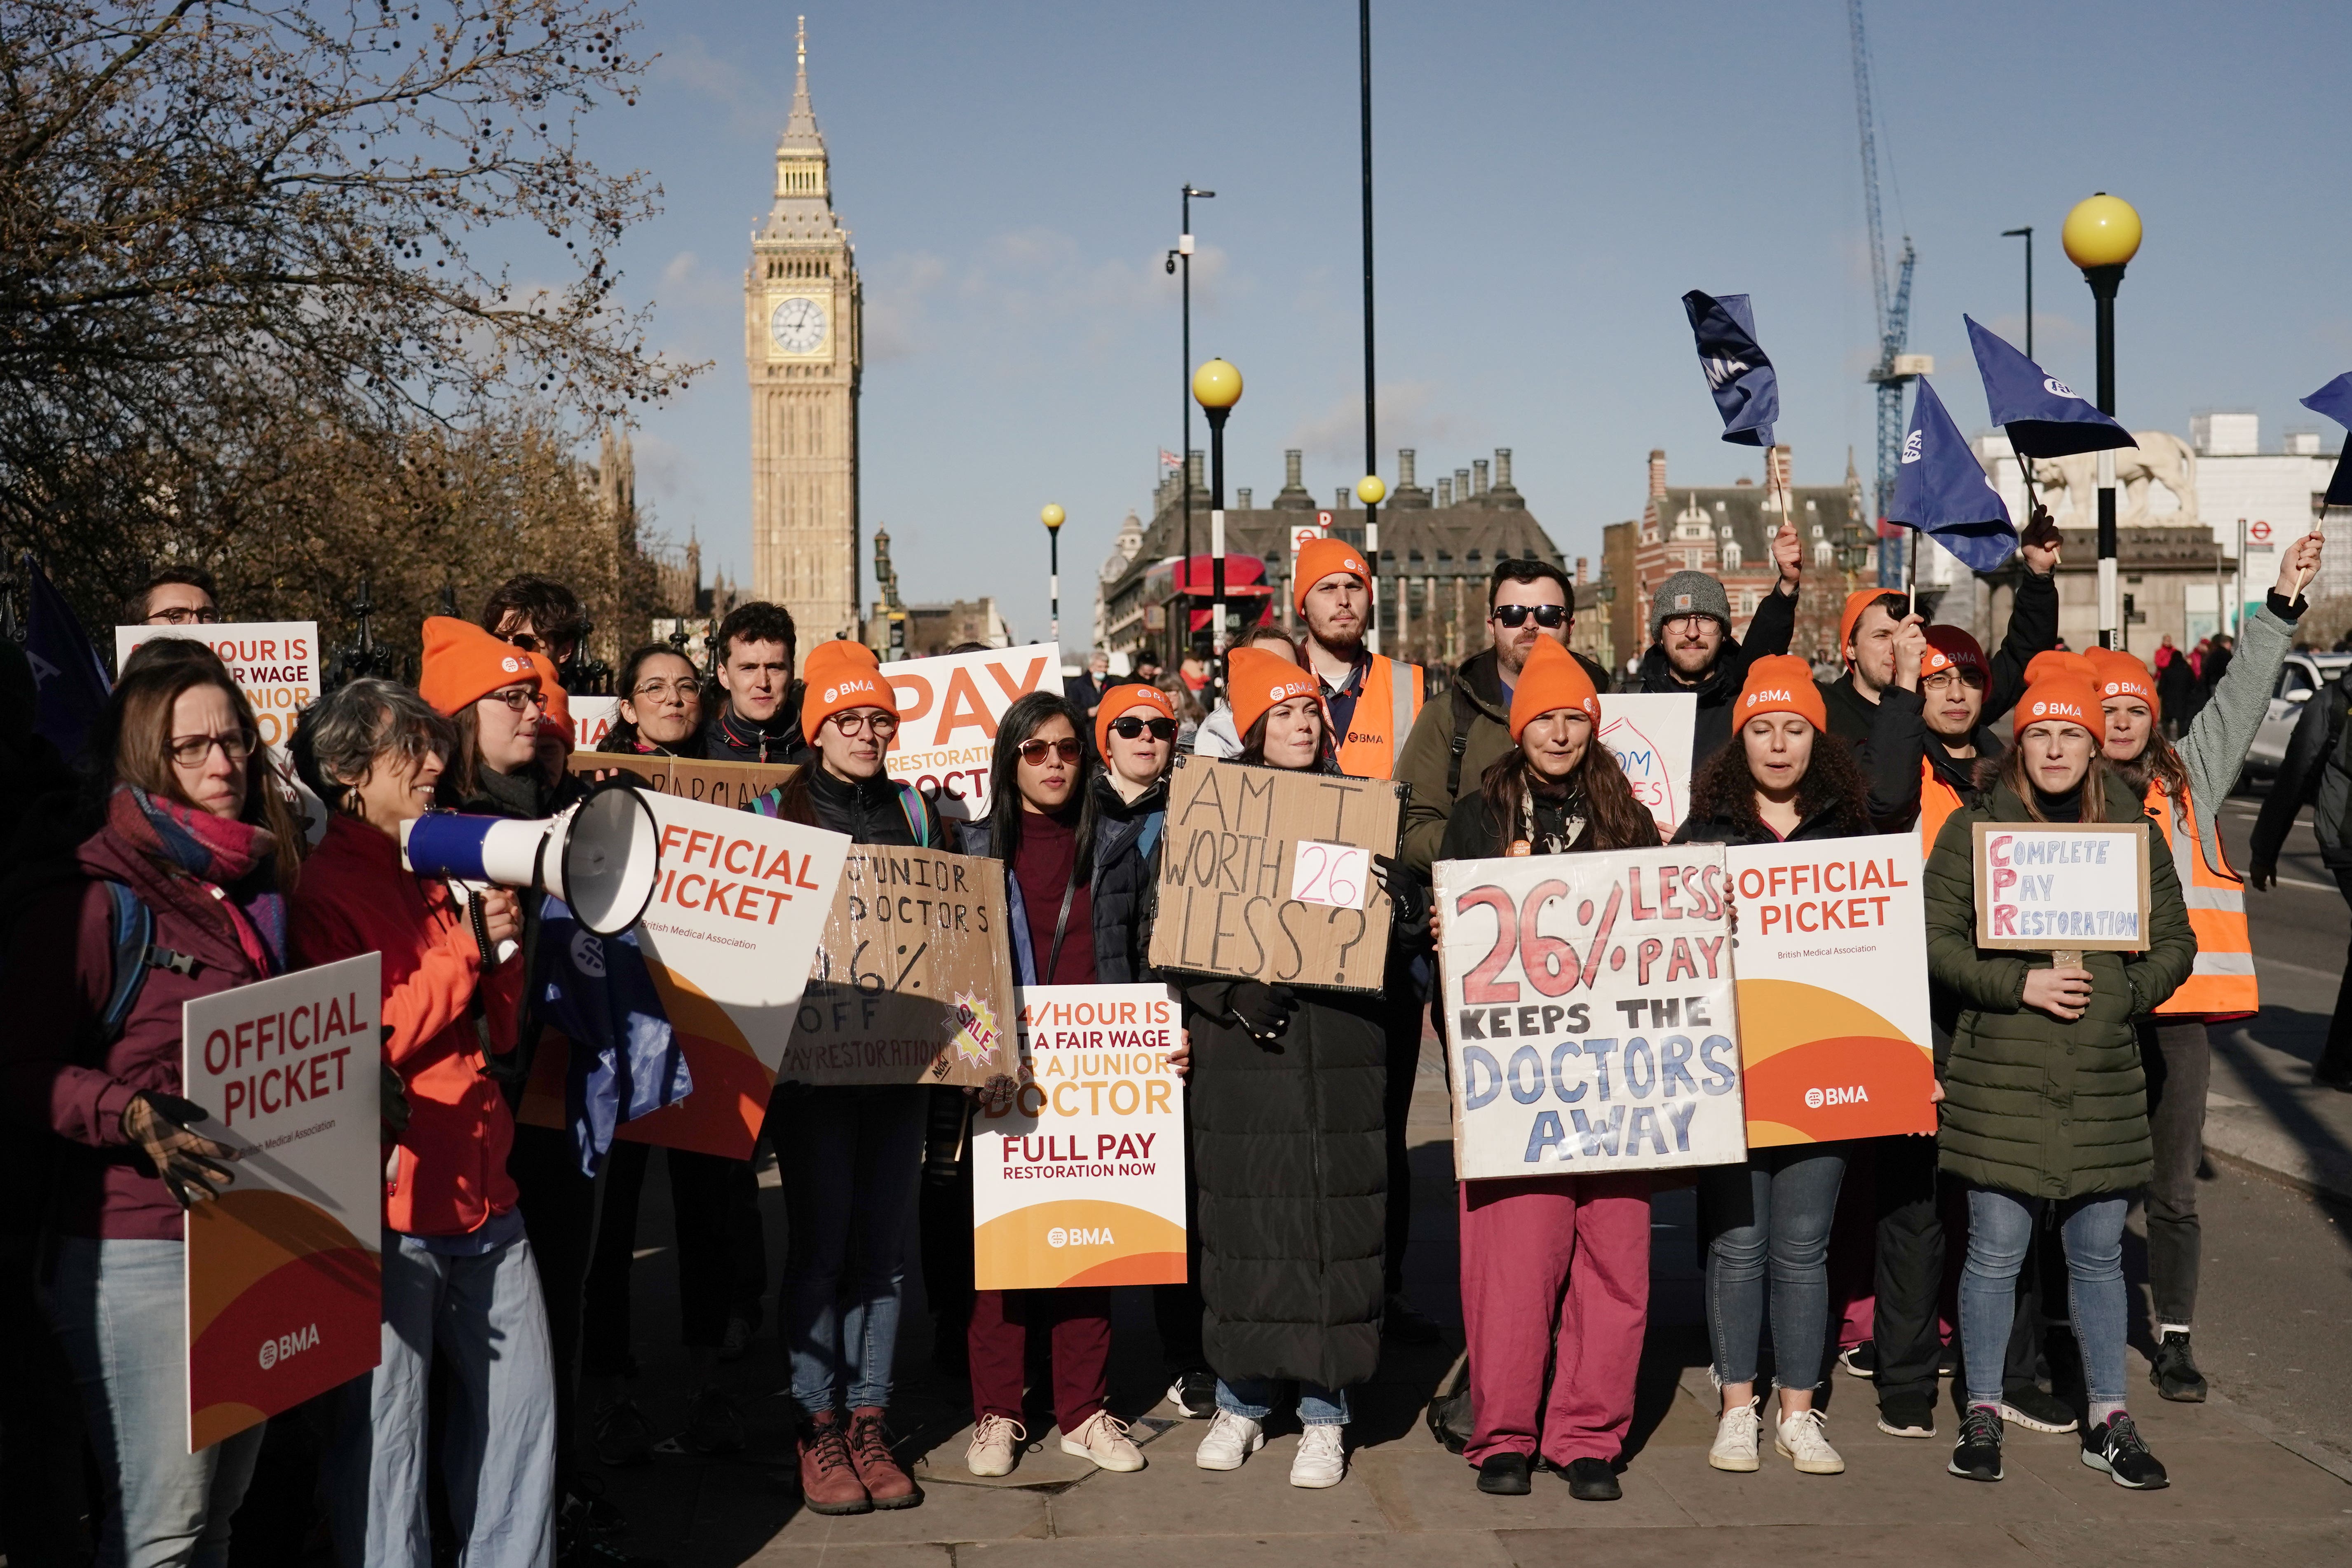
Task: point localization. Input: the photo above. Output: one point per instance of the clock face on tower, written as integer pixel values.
(798, 324)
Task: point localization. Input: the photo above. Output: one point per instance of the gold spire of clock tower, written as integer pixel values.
(802, 350)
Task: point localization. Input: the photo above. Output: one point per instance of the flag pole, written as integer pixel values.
(1911, 572)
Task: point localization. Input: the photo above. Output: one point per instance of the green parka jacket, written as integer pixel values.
(2034, 1105)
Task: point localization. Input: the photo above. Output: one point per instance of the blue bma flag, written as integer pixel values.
(1942, 490)
(70, 681)
(2334, 400)
(625, 1059)
(1747, 392)
(2044, 416)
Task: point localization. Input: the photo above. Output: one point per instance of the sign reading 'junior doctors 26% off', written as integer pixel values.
(1589, 999)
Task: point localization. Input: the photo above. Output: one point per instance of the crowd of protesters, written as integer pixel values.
(1992, 1251)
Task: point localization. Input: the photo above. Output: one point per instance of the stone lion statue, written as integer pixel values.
(2072, 484)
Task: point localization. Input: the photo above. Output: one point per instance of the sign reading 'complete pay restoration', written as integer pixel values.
(2043, 887)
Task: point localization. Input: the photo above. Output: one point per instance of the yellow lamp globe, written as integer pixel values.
(1053, 516)
(1370, 491)
(1216, 384)
(2102, 231)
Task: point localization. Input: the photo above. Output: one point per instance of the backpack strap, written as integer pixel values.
(1151, 833)
(918, 821)
(1465, 713)
(131, 924)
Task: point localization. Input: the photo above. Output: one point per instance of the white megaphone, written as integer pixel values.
(602, 857)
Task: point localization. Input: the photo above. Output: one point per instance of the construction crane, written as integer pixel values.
(1894, 367)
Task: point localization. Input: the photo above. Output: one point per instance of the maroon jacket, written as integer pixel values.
(59, 970)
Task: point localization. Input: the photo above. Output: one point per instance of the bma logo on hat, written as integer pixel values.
(1273, 694)
(2040, 708)
(2057, 388)
(1911, 453)
(510, 664)
(2114, 688)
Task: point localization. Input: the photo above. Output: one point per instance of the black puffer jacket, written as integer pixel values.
(1126, 871)
(1290, 1157)
(726, 738)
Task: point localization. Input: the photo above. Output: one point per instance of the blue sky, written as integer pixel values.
(1550, 178)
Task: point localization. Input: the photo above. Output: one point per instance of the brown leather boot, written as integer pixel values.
(885, 1482)
(829, 1483)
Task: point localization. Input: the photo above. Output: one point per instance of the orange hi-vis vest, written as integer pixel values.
(1937, 801)
(2221, 983)
(1385, 710)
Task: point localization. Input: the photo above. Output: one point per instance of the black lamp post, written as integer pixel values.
(1217, 386)
(1183, 255)
(1053, 518)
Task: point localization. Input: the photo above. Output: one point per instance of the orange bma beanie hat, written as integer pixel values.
(2120, 674)
(1551, 680)
(1259, 679)
(2064, 687)
(1781, 683)
(1126, 698)
(840, 675)
(1319, 558)
(463, 664)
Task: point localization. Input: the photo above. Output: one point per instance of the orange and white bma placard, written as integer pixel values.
(284, 1269)
(1079, 1178)
(1831, 968)
(948, 710)
(274, 663)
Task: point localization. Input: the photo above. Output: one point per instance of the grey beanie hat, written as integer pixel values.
(1689, 594)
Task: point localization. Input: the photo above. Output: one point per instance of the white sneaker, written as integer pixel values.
(1232, 1438)
(1735, 1438)
(1322, 1459)
(993, 1443)
(1103, 1438)
(1799, 1436)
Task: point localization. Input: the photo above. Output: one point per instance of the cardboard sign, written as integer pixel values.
(729, 785)
(913, 982)
(728, 939)
(1230, 875)
(1079, 1172)
(1650, 735)
(2045, 887)
(274, 663)
(948, 710)
(1832, 960)
(593, 718)
(1589, 1012)
(285, 1267)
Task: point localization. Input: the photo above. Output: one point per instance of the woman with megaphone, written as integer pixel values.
(458, 1269)
(190, 839)
(849, 1155)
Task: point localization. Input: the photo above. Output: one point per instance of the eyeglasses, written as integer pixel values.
(1945, 677)
(660, 690)
(1129, 727)
(1686, 623)
(1032, 752)
(854, 724)
(1551, 617)
(518, 697)
(179, 616)
(191, 751)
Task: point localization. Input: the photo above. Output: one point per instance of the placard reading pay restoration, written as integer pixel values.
(1079, 1173)
(2047, 887)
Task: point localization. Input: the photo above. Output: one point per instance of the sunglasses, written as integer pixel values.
(1128, 729)
(1032, 752)
(1551, 617)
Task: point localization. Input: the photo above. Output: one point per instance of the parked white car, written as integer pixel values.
(2303, 674)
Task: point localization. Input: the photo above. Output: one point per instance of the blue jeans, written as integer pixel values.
(121, 1309)
(2001, 1232)
(1774, 1210)
(486, 1316)
(850, 1158)
(1253, 1397)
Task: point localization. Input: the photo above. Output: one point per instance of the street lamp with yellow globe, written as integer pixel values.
(1053, 517)
(2102, 235)
(1217, 387)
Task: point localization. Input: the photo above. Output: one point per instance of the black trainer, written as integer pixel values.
(2174, 1371)
(1195, 1392)
(1591, 1480)
(2027, 1405)
(1504, 1475)
(1906, 1415)
(2116, 1446)
(1860, 1361)
(1976, 1456)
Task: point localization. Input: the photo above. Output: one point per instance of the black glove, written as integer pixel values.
(158, 1125)
(392, 1107)
(1263, 1010)
(1409, 894)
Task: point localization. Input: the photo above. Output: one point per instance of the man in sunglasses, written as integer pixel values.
(1691, 648)
(537, 615)
(759, 721)
(1453, 742)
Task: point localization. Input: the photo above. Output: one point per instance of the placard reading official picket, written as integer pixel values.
(1234, 898)
(1832, 980)
(1649, 733)
(913, 983)
(1079, 1172)
(948, 710)
(2043, 886)
(1588, 1001)
(274, 663)
(284, 1269)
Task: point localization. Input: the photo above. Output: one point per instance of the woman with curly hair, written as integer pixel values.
(1784, 777)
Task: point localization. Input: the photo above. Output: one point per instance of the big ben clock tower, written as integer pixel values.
(801, 347)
